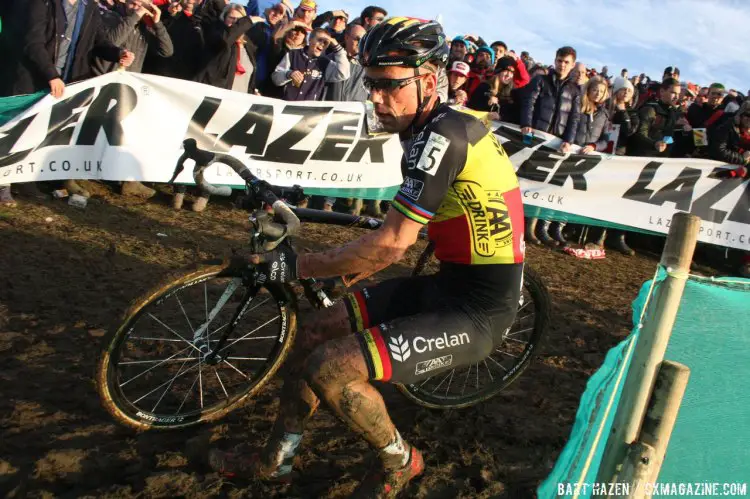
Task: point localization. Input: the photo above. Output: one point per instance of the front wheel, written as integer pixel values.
(469, 385)
(156, 371)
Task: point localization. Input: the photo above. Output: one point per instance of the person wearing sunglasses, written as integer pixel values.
(371, 16)
(457, 180)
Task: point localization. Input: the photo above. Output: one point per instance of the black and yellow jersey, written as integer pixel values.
(459, 181)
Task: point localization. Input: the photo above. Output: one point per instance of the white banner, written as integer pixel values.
(125, 126)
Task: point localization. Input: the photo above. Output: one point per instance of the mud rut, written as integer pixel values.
(62, 283)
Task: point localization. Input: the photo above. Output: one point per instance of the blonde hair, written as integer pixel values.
(232, 7)
(587, 105)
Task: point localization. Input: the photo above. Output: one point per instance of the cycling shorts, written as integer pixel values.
(411, 329)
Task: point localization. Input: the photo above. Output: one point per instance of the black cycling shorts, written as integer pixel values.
(412, 328)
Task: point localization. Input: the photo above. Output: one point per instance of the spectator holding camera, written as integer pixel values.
(336, 21)
(303, 73)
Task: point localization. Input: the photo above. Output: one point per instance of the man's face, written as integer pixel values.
(579, 74)
(499, 52)
(396, 108)
(318, 44)
(133, 4)
(715, 96)
(371, 22)
(483, 59)
(563, 65)
(353, 38)
(339, 24)
(671, 95)
(624, 74)
(455, 80)
(274, 16)
(458, 51)
(306, 16)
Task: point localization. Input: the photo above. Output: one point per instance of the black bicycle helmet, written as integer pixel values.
(404, 41)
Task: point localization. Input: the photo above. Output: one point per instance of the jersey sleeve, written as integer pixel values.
(429, 168)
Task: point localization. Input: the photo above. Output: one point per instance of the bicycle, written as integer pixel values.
(149, 375)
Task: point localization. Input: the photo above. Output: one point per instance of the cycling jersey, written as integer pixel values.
(459, 181)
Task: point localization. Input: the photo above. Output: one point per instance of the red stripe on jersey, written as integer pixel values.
(515, 210)
(362, 309)
(452, 238)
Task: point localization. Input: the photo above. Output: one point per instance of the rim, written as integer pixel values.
(501, 365)
(159, 368)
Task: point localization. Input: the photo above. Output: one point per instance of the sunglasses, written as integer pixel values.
(378, 19)
(718, 94)
(387, 84)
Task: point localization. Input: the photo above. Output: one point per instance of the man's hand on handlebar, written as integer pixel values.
(278, 266)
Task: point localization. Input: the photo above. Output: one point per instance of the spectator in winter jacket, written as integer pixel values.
(56, 43)
(527, 60)
(698, 113)
(350, 89)
(336, 21)
(186, 32)
(262, 36)
(459, 49)
(579, 75)
(622, 114)
(371, 16)
(137, 27)
(658, 121)
(457, 76)
(592, 127)
(729, 141)
(231, 55)
(482, 68)
(552, 103)
(304, 72)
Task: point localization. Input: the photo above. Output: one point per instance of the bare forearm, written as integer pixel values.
(367, 255)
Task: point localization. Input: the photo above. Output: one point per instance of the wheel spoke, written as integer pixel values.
(468, 373)
(221, 383)
(257, 338)
(166, 390)
(477, 384)
(205, 298)
(187, 395)
(184, 313)
(233, 367)
(450, 381)
(173, 332)
(505, 353)
(498, 364)
(441, 383)
(517, 341)
(168, 381)
(248, 334)
(200, 381)
(161, 361)
(152, 367)
(154, 339)
(519, 332)
(526, 304)
(488, 370)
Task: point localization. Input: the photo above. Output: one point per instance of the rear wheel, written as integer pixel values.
(468, 385)
(155, 370)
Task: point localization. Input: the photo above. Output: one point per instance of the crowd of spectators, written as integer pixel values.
(291, 52)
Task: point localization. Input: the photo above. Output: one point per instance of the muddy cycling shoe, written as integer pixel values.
(248, 467)
(386, 484)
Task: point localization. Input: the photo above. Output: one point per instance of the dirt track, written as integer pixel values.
(63, 282)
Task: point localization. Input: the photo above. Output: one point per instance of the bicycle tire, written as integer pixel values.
(125, 412)
(539, 295)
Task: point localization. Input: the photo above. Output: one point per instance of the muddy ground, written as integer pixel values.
(66, 274)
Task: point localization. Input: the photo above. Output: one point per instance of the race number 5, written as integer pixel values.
(432, 154)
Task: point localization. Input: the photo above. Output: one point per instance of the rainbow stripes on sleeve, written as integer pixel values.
(376, 354)
(410, 210)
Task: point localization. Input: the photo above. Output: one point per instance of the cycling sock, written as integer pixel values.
(287, 449)
(396, 454)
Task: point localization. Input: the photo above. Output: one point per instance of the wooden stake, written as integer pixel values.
(652, 343)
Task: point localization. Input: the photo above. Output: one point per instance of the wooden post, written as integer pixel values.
(652, 343)
(645, 457)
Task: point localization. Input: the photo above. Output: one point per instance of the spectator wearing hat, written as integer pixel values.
(303, 73)
(502, 92)
(698, 114)
(482, 68)
(336, 21)
(459, 49)
(306, 12)
(622, 113)
(371, 16)
(527, 60)
(457, 76)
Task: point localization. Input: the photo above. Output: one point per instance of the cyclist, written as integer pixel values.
(459, 181)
